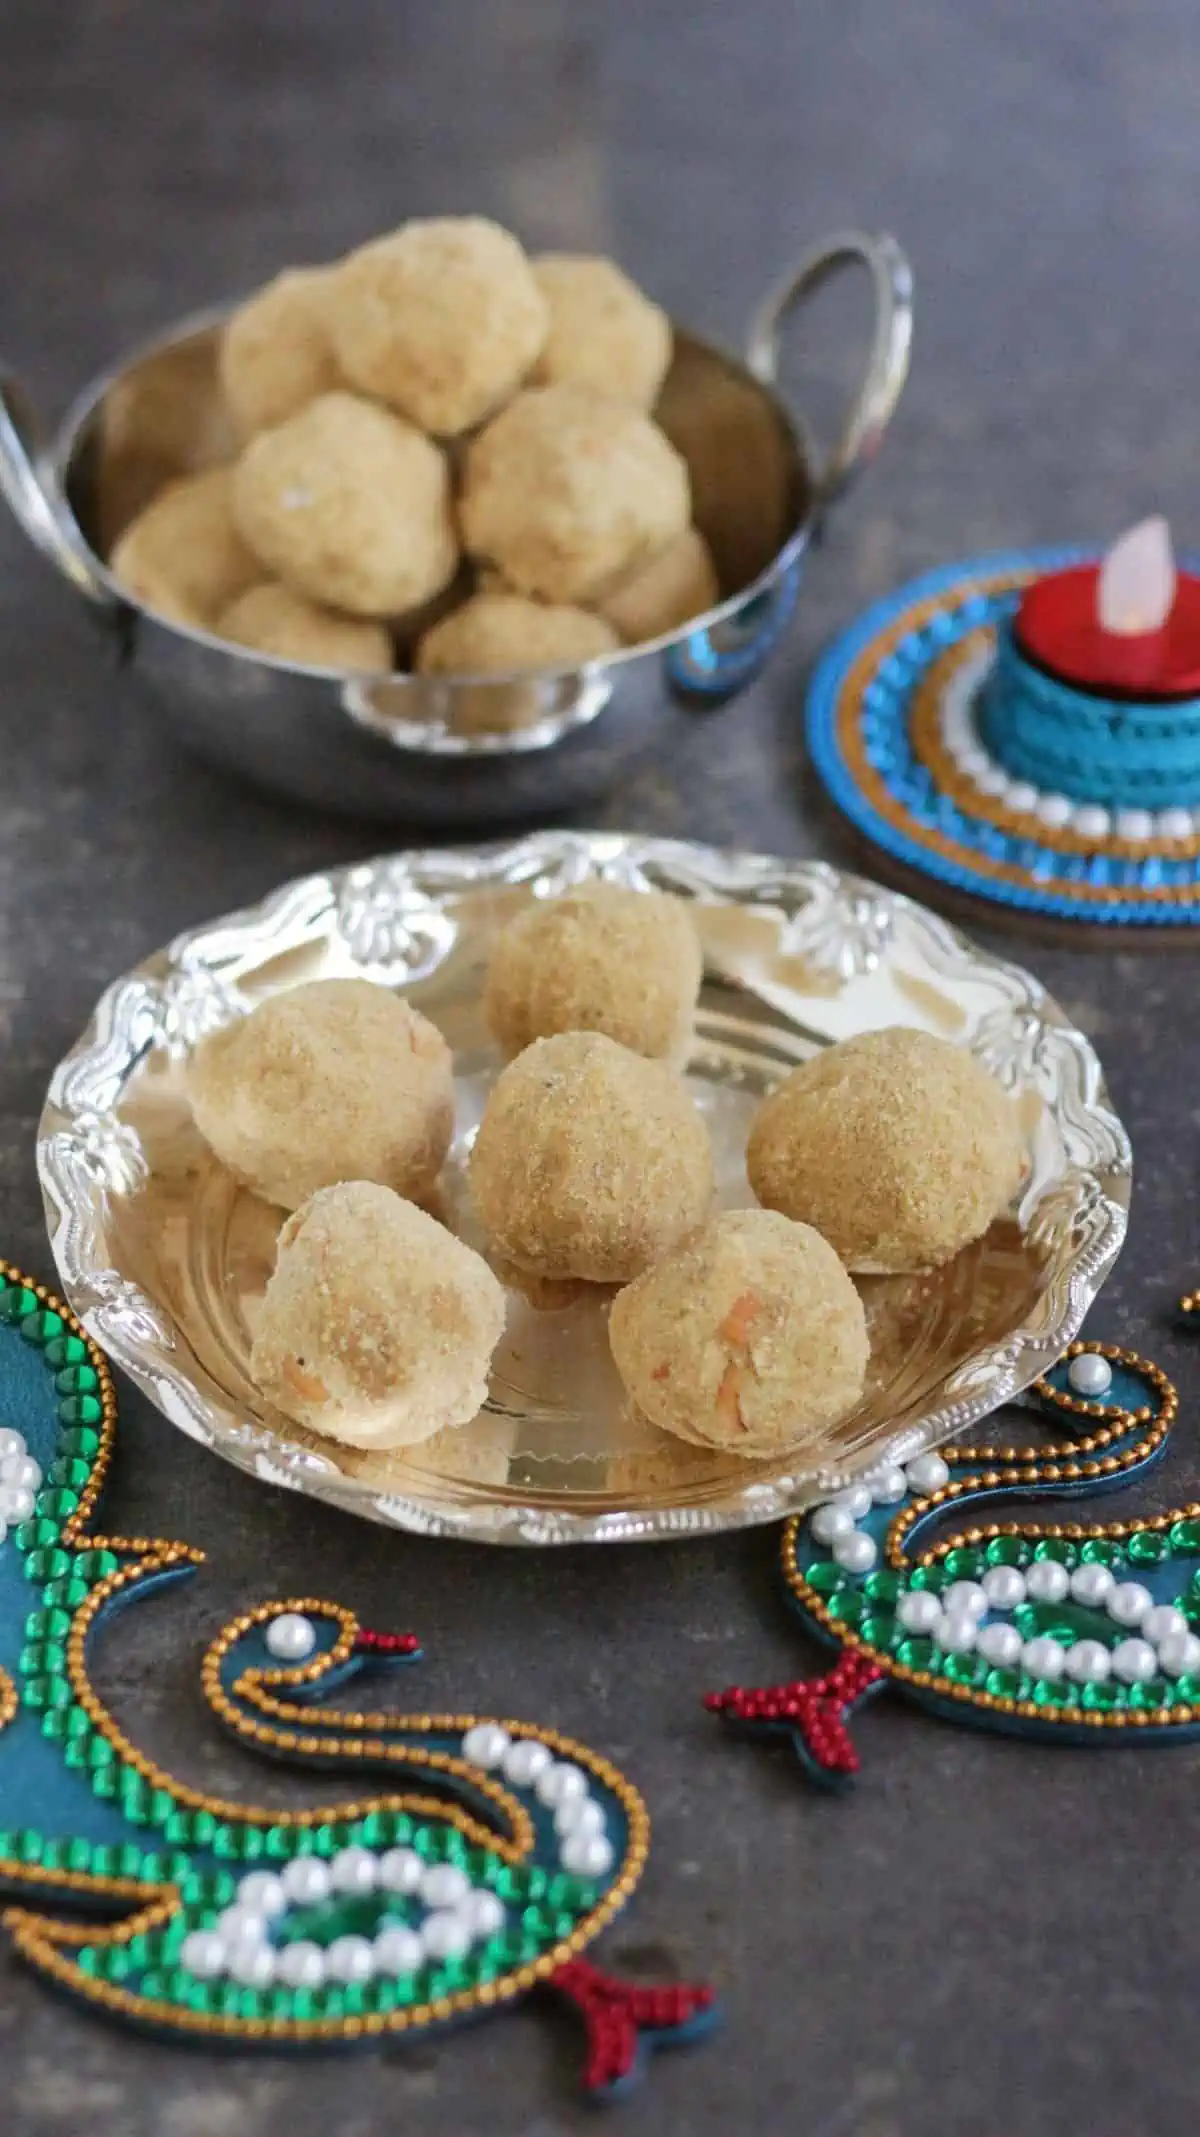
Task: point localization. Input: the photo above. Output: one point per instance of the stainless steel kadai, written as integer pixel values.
(391, 747)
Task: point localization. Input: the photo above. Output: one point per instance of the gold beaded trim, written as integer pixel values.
(851, 741)
(9, 1700)
(38, 1939)
(1071, 1461)
(929, 747)
(1035, 1470)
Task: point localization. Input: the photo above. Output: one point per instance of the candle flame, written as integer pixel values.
(1136, 589)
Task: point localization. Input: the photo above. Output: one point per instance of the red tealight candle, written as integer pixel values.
(1127, 627)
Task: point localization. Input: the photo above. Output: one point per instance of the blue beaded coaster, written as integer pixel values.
(462, 1862)
(898, 723)
(1068, 1631)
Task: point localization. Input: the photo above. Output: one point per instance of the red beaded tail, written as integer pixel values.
(623, 2020)
(812, 1712)
(385, 1646)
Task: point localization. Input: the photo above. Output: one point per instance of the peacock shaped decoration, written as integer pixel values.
(1067, 1631)
(481, 1868)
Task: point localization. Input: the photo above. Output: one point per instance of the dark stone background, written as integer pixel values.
(987, 1938)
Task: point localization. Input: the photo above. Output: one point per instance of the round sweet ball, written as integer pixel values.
(603, 332)
(275, 353)
(750, 1337)
(349, 505)
(626, 963)
(590, 1161)
(272, 619)
(183, 556)
(442, 319)
(899, 1147)
(334, 1080)
(665, 593)
(565, 492)
(377, 1327)
(499, 633)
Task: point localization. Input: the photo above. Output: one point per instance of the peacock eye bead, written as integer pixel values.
(825, 1577)
(80, 1410)
(65, 1350)
(82, 1442)
(1008, 1551)
(42, 1326)
(1099, 1551)
(76, 1379)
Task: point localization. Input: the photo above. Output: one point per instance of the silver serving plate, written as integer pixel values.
(410, 748)
(165, 1258)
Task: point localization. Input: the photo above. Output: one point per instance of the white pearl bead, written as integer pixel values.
(16, 1503)
(483, 1913)
(20, 1472)
(1091, 1585)
(300, 1965)
(579, 1814)
(919, 1610)
(305, 1880)
(1043, 1657)
(354, 1871)
(855, 1500)
(1092, 821)
(1055, 810)
(485, 1744)
(1179, 1654)
(888, 1486)
(855, 1553)
(1004, 1587)
(1161, 1622)
(398, 1951)
(1046, 1581)
(1175, 823)
(1088, 1662)
(1135, 823)
(524, 1761)
(831, 1521)
(261, 1892)
(560, 1782)
(587, 1854)
(999, 1645)
(445, 1935)
(1134, 1661)
(350, 1959)
(927, 1473)
(290, 1637)
(1089, 1375)
(10, 1443)
(993, 781)
(241, 1925)
(956, 1632)
(1128, 1602)
(401, 1870)
(203, 1954)
(444, 1885)
(967, 1598)
(251, 1963)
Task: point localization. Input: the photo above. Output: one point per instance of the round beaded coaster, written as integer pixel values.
(1072, 1632)
(476, 1862)
(898, 731)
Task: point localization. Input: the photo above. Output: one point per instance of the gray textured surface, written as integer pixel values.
(987, 1939)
